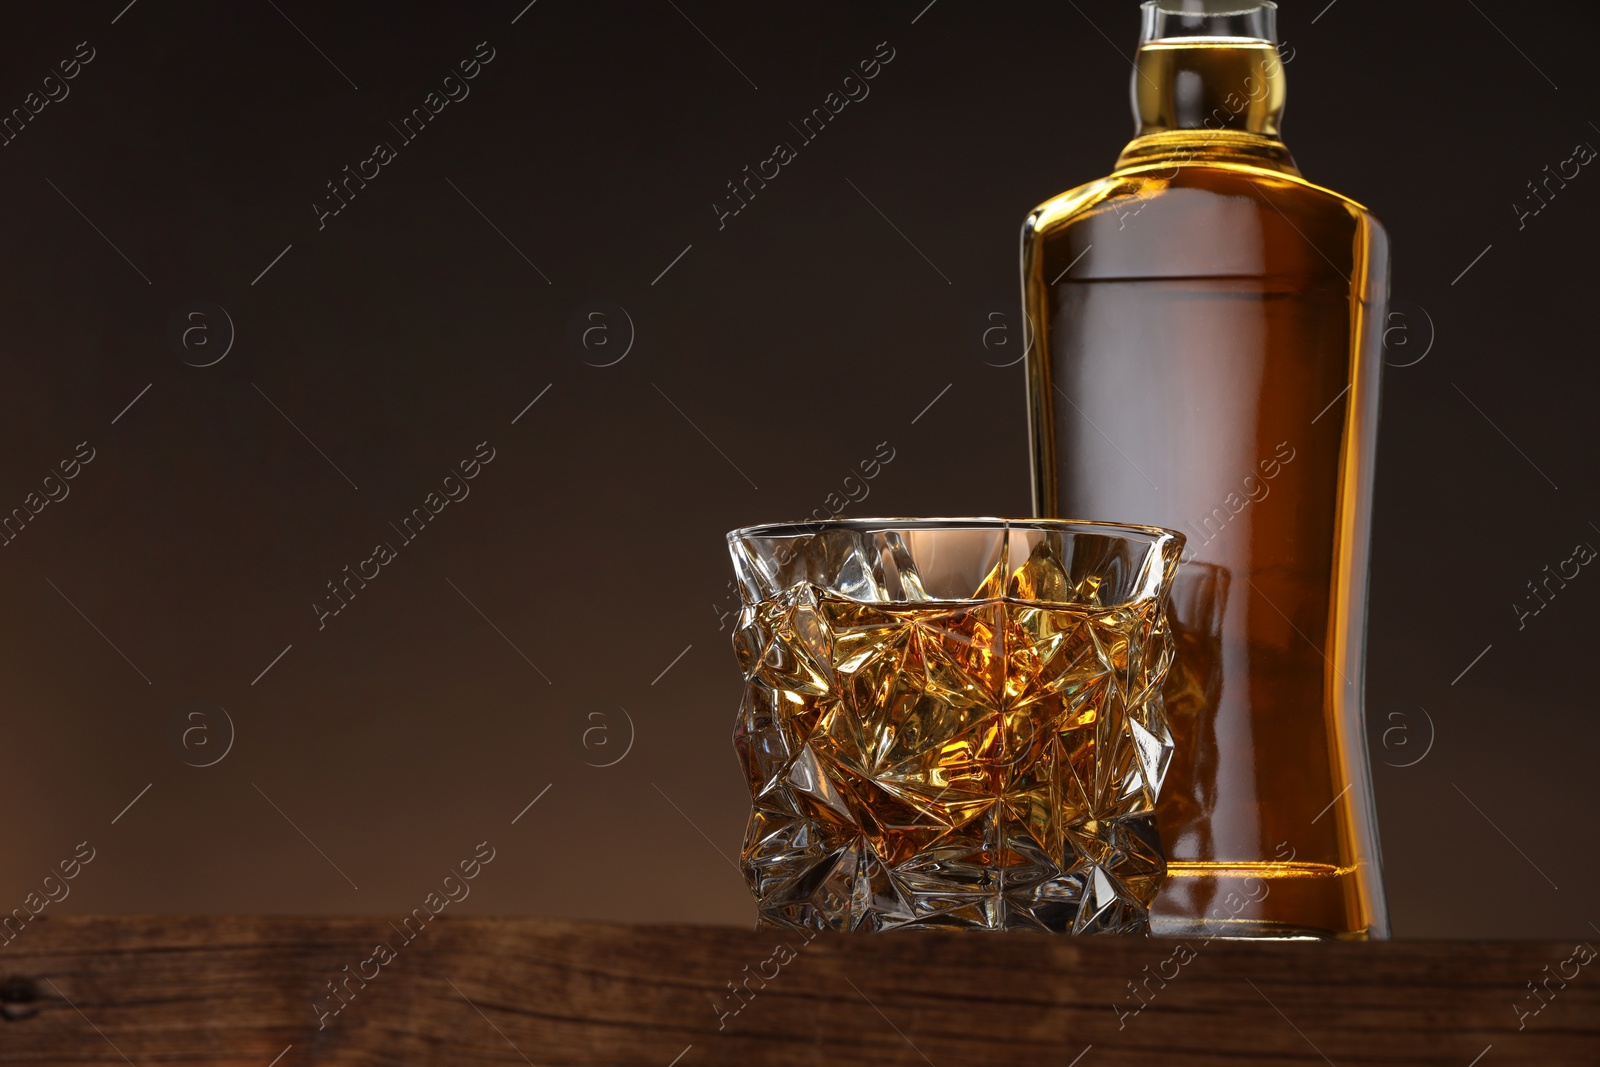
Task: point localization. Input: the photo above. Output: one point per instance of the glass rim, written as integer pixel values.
(1243, 7)
(774, 530)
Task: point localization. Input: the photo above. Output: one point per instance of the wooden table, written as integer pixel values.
(229, 990)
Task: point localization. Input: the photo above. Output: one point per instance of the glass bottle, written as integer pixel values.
(1207, 342)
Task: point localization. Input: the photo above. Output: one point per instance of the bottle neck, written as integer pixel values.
(1208, 99)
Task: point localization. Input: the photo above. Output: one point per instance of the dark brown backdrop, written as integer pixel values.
(488, 663)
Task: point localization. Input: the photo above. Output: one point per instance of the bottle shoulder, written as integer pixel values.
(1216, 221)
(1146, 184)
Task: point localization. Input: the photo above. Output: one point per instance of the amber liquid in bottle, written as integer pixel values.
(1206, 356)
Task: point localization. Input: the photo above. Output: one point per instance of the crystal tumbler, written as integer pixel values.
(954, 723)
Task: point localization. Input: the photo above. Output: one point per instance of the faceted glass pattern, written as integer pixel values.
(954, 723)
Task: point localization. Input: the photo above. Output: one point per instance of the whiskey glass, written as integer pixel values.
(954, 723)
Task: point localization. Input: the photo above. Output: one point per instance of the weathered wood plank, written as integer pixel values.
(241, 990)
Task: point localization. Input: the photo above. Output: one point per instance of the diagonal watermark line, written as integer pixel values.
(302, 433)
(1324, 11)
(271, 665)
(897, 1030)
(101, 232)
(1479, 1056)
(1502, 433)
(1290, 1021)
(90, 1021)
(524, 11)
(702, 433)
(131, 803)
(674, 263)
(124, 11)
(274, 263)
(302, 833)
(1474, 263)
(132, 402)
(924, 11)
(1063, 274)
(713, 44)
(490, 1021)
(1332, 402)
(1502, 833)
(1473, 664)
(1513, 44)
(1080, 1055)
(1114, 45)
(694, 824)
(673, 664)
(1107, 437)
(99, 631)
(280, 1056)
(501, 232)
(1262, 193)
(685, 1052)
(932, 402)
(901, 232)
(1296, 629)
(532, 402)
(501, 632)
(531, 803)
(313, 44)
(1332, 802)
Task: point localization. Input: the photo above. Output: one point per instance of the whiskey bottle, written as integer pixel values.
(1207, 334)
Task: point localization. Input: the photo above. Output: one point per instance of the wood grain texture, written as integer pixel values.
(230, 990)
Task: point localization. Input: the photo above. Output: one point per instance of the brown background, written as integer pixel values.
(796, 339)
